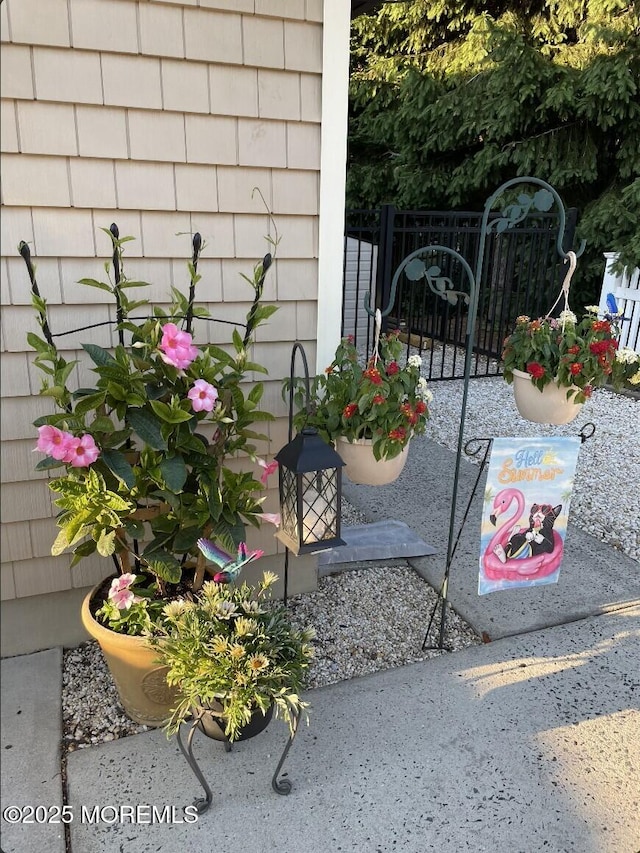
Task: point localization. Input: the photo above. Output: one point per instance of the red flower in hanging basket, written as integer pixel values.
(398, 434)
(575, 368)
(373, 375)
(535, 369)
(350, 410)
(393, 368)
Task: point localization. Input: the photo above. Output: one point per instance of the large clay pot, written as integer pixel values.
(144, 693)
(549, 406)
(363, 468)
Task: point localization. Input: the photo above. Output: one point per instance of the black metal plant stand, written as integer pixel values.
(280, 786)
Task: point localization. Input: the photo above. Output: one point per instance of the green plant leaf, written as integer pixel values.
(174, 472)
(37, 343)
(169, 414)
(61, 543)
(91, 401)
(221, 355)
(91, 282)
(186, 538)
(118, 465)
(134, 528)
(164, 565)
(99, 356)
(48, 463)
(83, 550)
(106, 544)
(147, 427)
(102, 424)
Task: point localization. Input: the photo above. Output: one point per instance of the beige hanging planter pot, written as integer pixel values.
(139, 678)
(363, 468)
(549, 406)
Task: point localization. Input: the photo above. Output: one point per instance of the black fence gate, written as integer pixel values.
(522, 275)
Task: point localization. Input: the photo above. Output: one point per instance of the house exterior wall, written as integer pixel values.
(161, 117)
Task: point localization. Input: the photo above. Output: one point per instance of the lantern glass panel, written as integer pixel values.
(319, 505)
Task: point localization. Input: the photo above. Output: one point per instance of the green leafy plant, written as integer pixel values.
(231, 645)
(579, 355)
(145, 451)
(383, 401)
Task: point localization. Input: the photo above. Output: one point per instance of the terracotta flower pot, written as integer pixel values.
(363, 468)
(549, 406)
(144, 693)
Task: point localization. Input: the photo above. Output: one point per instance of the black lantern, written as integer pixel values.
(310, 479)
(310, 492)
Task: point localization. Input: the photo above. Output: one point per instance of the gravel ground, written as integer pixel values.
(374, 618)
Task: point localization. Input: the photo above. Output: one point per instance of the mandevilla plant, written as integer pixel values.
(145, 450)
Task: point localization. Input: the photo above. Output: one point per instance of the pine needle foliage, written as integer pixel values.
(450, 99)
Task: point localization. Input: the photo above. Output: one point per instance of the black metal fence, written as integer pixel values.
(522, 273)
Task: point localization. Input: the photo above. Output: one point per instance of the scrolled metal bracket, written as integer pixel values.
(543, 200)
(414, 267)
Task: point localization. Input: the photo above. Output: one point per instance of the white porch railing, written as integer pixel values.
(625, 287)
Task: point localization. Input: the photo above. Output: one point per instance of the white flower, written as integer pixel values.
(627, 355)
(422, 390)
(414, 361)
(591, 309)
(567, 316)
(175, 608)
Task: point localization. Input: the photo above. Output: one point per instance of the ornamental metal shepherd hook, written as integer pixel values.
(414, 268)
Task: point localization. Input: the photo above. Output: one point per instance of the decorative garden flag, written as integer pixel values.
(526, 509)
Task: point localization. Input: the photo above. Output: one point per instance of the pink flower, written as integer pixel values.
(176, 347)
(122, 582)
(203, 396)
(120, 593)
(53, 441)
(269, 469)
(271, 517)
(81, 452)
(123, 599)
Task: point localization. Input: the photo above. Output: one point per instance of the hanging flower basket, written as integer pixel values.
(380, 404)
(555, 363)
(549, 406)
(363, 468)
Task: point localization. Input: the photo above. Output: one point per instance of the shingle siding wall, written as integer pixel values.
(162, 117)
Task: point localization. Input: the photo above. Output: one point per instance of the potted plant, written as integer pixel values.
(234, 658)
(140, 463)
(370, 412)
(556, 363)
